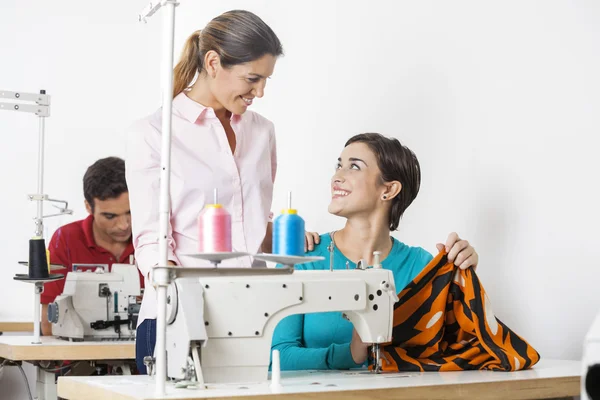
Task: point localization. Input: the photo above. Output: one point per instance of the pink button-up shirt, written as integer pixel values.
(201, 160)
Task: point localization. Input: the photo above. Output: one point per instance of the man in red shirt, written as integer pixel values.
(104, 237)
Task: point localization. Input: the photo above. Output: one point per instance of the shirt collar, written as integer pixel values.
(195, 112)
(88, 231)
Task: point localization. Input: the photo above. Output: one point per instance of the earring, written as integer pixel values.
(384, 197)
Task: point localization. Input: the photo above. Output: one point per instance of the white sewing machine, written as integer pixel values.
(220, 325)
(590, 380)
(97, 305)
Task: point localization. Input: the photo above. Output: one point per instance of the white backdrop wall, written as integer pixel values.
(499, 100)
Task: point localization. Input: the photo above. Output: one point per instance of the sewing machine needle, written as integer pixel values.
(377, 358)
(378, 361)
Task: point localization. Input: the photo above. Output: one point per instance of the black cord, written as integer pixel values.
(26, 381)
(57, 369)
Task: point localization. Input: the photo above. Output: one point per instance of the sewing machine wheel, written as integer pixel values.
(592, 382)
(53, 313)
(171, 303)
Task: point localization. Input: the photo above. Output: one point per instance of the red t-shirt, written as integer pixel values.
(74, 244)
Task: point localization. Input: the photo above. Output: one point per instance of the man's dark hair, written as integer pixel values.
(396, 163)
(104, 179)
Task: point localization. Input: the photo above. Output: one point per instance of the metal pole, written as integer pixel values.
(39, 225)
(39, 221)
(164, 206)
(38, 286)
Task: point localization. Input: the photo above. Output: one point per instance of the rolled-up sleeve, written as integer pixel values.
(142, 169)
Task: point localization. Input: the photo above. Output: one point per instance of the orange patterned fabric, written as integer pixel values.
(444, 322)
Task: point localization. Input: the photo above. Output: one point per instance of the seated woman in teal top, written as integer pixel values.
(376, 179)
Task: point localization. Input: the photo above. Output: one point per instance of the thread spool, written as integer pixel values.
(214, 228)
(288, 232)
(38, 263)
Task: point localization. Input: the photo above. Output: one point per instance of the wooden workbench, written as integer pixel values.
(20, 348)
(548, 379)
(6, 326)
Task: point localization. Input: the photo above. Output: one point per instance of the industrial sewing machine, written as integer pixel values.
(220, 321)
(97, 305)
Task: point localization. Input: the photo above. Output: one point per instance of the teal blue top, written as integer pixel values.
(322, 340)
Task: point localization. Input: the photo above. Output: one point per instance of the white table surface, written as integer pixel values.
(549, 378)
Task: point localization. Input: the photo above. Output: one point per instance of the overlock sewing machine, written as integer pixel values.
(220, 321)
(97, 305)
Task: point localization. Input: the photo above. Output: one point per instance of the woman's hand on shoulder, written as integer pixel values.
(311, 238)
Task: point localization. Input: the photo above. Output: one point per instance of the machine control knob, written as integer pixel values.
(592, 382)
(53, 312)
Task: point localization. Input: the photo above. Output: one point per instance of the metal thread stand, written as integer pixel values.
(287, 261)
(41, 108)
(160, 276)
(38, 289)
(216, 258)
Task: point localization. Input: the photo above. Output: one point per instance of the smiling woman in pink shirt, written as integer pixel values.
(216, 143)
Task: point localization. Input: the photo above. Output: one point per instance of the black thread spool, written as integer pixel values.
(38, 263)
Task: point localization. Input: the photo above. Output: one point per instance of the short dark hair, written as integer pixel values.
(104, 179)
(396, 163)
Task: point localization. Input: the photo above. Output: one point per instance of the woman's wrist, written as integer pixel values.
(359, 352)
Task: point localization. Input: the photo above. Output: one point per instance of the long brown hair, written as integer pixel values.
(237, 36)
